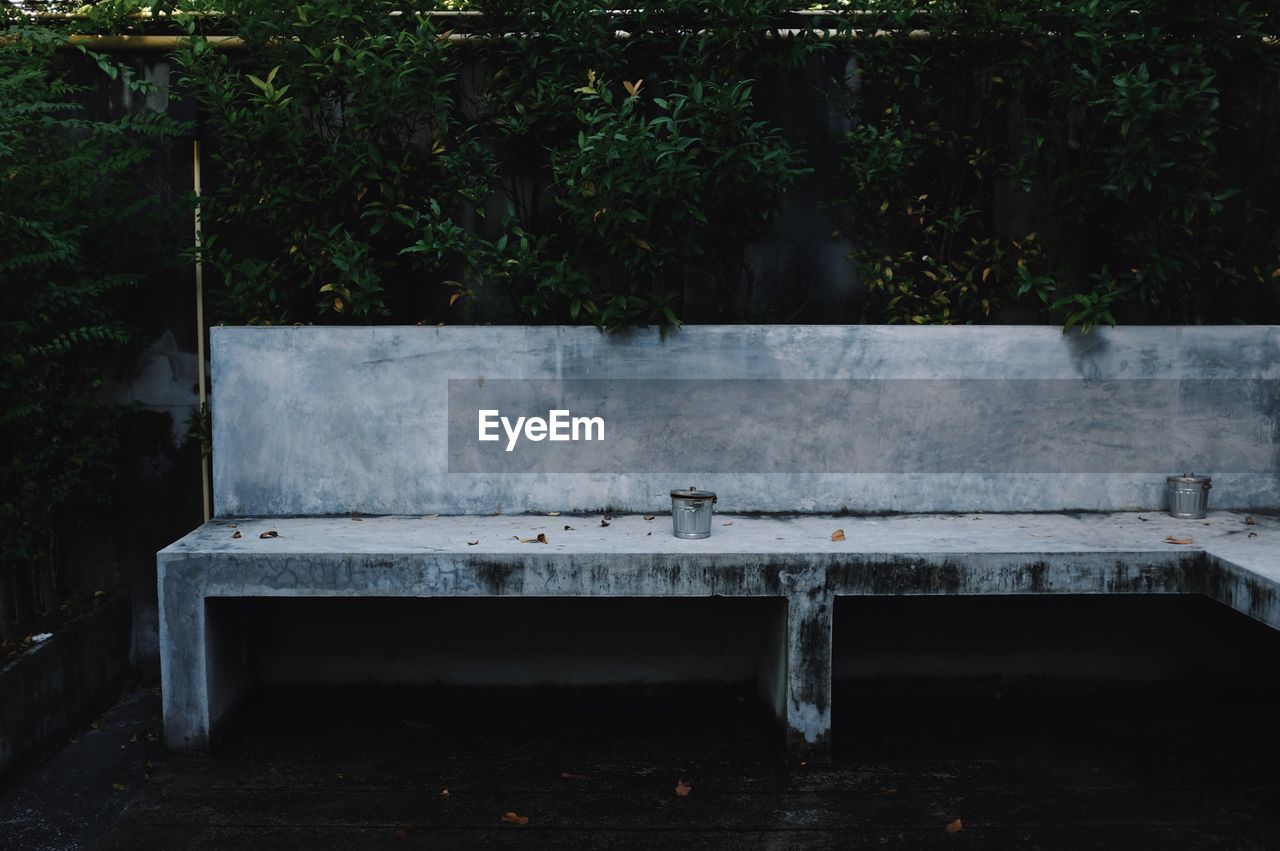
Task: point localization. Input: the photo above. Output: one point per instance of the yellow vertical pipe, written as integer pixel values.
(200, 360)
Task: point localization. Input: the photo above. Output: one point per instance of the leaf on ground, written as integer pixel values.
(683, 789)
(572, 775)
(119, 787)
(1253, 534)
(1249, 521)
(512, 818)
(727, 523)
(236, 534)
(648, 517)
(270, 533)
(444, 793)
(429, 516)
(357, 518)
(472, 543)
(604, 521)
(955, 826)
(553, 513)
(568, 528)
(837, 535)
(1180, 541)
(541, 539)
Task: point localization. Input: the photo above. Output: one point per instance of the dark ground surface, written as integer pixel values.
(1018, 763)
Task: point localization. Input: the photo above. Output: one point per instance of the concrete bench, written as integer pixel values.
(358, 448)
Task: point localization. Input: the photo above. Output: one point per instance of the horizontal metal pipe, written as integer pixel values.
(149, 43)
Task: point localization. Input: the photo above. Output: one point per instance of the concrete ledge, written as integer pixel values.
(792, 558)
(56, 686)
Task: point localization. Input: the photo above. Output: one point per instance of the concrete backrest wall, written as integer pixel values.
(337, 420)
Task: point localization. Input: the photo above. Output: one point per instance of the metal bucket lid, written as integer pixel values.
(1190, 479)
(693, 493)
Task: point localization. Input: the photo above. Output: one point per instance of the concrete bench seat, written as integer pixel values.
(312, 426)
(790, 557)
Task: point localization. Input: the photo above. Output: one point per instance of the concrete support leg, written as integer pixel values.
(183, 662)
(201, 642)
(808, 647)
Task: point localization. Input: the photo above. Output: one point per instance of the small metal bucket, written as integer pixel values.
(1188, 496)
(691, 512)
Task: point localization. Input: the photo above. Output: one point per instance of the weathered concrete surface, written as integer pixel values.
(71, 800)
(55, 686)
(790, 557)
(311, 421)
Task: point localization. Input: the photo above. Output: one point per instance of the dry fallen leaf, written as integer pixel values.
(541, 539)
(568, 528)
(648, 517)
(955, 826)
(1180, 541)
(837, 535)
(1249, 521)
(727, 523)
(1253, 534)
(512, 818)
(604, 521)
(270, 533)
(553, 513)
(357, 518)
(472, 543)
(235, 534)
(572, 775)
(119, 787)
(683, 789)
(444, 793)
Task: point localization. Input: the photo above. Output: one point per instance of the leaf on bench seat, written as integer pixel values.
(236, 534)
(1181, 541)
(270, 533)
(837, 535)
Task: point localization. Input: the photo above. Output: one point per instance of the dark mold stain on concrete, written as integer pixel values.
(1224, 583)
(497, 578)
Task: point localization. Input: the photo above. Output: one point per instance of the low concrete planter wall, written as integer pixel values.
(58, 685)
